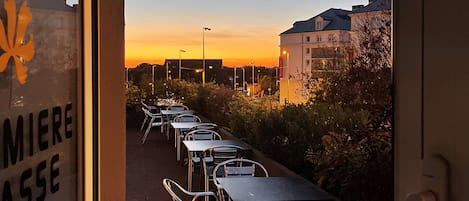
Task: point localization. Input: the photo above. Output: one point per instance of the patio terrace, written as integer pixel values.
(149, 164)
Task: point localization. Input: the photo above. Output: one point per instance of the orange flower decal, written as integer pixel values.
(14, 46)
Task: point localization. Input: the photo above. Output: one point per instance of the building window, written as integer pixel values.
(307, 62)
(319, 25)
(330, 37)
(308, 39)
(307, 50)
(318, 38)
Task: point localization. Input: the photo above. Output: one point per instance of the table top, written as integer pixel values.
(173, 112)
(272, 188)
(201, 145)
(179, 125)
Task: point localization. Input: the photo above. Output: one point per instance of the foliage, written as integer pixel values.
(289, 135)
(360, 89)
(133, 92)
(268, 82)
(356, 166)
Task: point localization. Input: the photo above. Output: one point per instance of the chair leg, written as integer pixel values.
(146, 134)
(144, 138)
(143, 124)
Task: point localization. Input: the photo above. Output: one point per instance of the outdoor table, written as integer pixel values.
(166, 118)
(177, 134)
(197, 146)
(272, 188)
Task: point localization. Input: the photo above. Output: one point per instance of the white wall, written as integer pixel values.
(432, 99)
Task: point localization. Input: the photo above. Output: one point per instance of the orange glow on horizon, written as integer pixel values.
(268, 62)
(240, 48)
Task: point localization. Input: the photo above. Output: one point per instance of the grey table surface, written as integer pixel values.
(272, 188)
(201, 145)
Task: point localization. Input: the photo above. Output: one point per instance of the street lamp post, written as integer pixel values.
(244, 77)
(153, 80)
(252, 77)
(234, 78)
(288, 74)
(203, 52)
(126, 77)
(180, 51)
(167, 70)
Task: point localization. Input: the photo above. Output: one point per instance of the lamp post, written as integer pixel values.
(252, 76)
(126, 77)
(244, 77)
(203, 52)
(167, 70)
(153, 80)
(234, 78)
(288, 74)
(180, 51)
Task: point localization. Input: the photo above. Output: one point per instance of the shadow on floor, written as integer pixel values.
(149, 164)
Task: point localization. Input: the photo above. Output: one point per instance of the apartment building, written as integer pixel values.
(310, 47)
(326, 43)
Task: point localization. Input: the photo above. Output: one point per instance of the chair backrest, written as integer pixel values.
(148, 107)
(178, 107)
(206, 126)
(170, 185)
(221, 153)
(145, 110)
(238, 167)
(149, 113)
(187, 118)
(241, 167)
(202, 134)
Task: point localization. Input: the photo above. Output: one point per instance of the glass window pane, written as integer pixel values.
(40, 65)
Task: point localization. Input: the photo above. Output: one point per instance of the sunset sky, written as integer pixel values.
(242, 31)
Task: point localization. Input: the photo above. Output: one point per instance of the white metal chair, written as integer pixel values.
(238, 167)
(144, 109)
(201, 135)
(216, 155)
(205, 126)
(170, 185)
(178, 107)
(184, 118)
(155, 121)
(148, 107)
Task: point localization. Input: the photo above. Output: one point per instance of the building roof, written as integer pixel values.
(338, 20)
(376, 5)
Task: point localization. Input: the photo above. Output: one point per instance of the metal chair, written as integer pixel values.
(217, 155)
(238, 167)
(144, 109)
(155, 121)
(178, 107)
(206, 126)
(148, 107)
(201, 135)
(184, 118)
(170, 184)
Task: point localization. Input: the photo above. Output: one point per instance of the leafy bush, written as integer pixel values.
(356, 166)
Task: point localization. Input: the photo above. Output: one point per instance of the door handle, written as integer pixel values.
(421, 196)
(435, 180)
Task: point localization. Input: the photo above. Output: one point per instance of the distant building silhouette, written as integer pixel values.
(191, 70)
